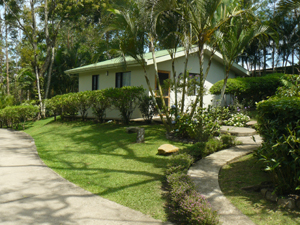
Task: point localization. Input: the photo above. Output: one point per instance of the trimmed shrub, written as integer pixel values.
(84, 102)
(55, 106)
(125, 99)
(186, 205)
(279, 125)
(12, 116)
(179, 163)
(100, 102)
(147, 108)
(250, 89)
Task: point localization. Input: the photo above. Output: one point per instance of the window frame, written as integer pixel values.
(95, 82)
(119, 79)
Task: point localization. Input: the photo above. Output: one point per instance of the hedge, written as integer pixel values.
(250, 89)
(184, 204)
(125, 99)
(279, 125)
(12, 116)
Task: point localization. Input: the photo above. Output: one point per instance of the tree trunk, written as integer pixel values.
(200, 93)
(187, 52)
(6, 53)
(224, 85)
(34, 44)
(159, 87)
(175, 82)
(50, 73)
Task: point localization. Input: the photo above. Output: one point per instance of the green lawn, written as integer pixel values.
(105, 160)
(247, 172)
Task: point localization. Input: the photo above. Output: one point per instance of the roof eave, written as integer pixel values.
(100, 68)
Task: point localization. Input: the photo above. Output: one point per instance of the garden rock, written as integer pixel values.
(167, 149)
(140, 133)
(264, 191)
(271, 197)
(298, 203)
(287, 203)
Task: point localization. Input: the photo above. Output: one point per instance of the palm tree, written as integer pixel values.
(136, 22)
(232, 43)
(205, 19)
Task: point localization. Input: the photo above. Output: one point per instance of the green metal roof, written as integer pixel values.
(119, 62)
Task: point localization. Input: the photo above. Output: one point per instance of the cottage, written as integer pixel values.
(114, 73)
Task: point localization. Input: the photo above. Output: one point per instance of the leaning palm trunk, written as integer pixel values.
(175, 83)
(200, 94)
(165, 109)
(224, 87)
(153, 96)
(187, 52)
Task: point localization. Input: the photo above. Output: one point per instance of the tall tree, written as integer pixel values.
(237, 36)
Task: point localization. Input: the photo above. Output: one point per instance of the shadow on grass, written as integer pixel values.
(248, 172)
(104, 158)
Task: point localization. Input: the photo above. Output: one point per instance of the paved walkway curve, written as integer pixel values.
(31, 193)
(205, 174)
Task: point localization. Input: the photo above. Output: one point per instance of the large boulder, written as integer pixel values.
(167, 149)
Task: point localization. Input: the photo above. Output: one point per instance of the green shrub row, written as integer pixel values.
(185, 204)
(125, 99)
(250, 89)
(12, 116)
(279, 125)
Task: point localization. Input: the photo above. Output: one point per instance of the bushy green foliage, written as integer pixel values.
(6, 100)
(204, 124)
(84, 101)
(186, 205)
(55, 105)
(12, 116)
(237, 120)
(125, 99)
(179, 163)
(100, 102)
(250, 89)
(291, 86)
(147, 108)
(279, 125)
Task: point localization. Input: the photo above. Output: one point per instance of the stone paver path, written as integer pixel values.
(205, 174)
(31, 193)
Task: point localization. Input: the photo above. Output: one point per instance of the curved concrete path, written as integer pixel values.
(31, 193)
(205, 174)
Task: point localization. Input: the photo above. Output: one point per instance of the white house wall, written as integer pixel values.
(107, 80)
(216, 73)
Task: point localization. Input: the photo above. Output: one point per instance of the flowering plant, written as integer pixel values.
(237, 120)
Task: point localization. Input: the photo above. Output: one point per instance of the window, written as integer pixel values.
(123, 79)
(193, 83)
(95, 81)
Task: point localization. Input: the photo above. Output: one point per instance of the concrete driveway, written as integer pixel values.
(31, 193)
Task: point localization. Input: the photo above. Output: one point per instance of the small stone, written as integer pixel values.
(287, 203)
(264, 191)
(271, 197)
(298, 203)
(167, 149)
(132, 129)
